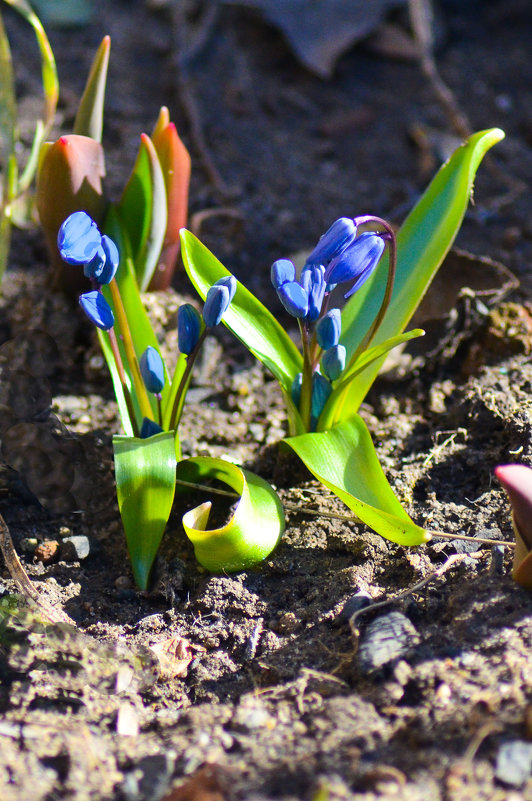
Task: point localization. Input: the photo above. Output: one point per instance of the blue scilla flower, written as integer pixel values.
(357, 262)
(283, 270)
(313, 282)
(321, 389)
(149, 428)
(78, 239)
(334, 241)
(188, 328)
(294, 298)
(97, 309)
(218, 299)
(333, 362)
(329, 328)
(104, 273)
(152, 370)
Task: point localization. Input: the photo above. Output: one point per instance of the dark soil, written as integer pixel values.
(254, 686)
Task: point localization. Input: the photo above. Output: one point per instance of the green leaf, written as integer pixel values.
(254, 529)
(246, 317)
(89, 117)
(145, 485)
(143, 212)
(344, 459)
(422, 242)
(335, 409)
(8, 141)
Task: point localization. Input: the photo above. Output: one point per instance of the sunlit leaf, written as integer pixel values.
(246, 317)
(256, 525)
(423, 240)
(344, 460)
(89, 117)
(145, 485)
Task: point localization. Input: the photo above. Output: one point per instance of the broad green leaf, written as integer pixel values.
(336, 409)
(246, 317)
(143, 212)
(141, 332)
(89, 117)
(423, 240)
(344, 459)
(145, 486)
(254, 529)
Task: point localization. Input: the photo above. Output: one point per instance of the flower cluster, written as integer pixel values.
(341, 256)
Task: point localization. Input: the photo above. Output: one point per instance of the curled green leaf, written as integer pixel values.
(344, 459)
(255, 528)
(145, 485)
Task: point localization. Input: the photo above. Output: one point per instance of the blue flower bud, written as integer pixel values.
(112, 260)
(97, 309)
(321, 389)
(188, 328)
(338, 237)
(95, 266)
(295, 390)
(282, 271)
(333, 362)
(149, 428)
(329, 328)
(294, 299)
(152, 370)
(357, 262)
(228, 281)
(216, 304)
(313, 283)
(78, 239)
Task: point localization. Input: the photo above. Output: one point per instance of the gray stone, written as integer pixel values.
(74, 548)
(514, 763)
(385, 640)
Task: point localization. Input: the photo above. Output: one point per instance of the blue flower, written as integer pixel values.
(112, 258)
(333, 362)
(78, 239)
(217, 302)
(230, 282)
(313, 282)
(294, 298)
(329, 328)
(321, 389)
(282, 271)
(357, 262)
(152, 370)
(334, 241)
(188, 328)
(97, 309)
(149, 428)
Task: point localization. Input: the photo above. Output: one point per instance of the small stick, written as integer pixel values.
(22, 580)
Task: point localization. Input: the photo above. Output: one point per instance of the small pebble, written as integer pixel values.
(353, 604)
(514, 763)
(28, 544)
(386, 639)
(287, 623)
(497, 560)
(122, 583)
(75, 548)
(47, 551)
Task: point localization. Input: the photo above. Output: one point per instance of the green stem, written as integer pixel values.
(123, 380)
(140, 390)
(392, 263)
(305, 403)
(177, 408)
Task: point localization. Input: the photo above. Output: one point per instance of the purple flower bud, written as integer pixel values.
(152, 370)
(216, 304)
(321, 389)
(357, 262)
(228, 281)
(313, 282)
(188, 328)
(97, 309)
(329, 328)
(149, 428)
(334, 241)
(78, 239)
(282, 271)
(333, 362)
(295, 390)
(294, 299)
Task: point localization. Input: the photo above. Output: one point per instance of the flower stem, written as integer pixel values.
(389, 237)
(123, 380)
(177, 408)
(305, 403)
(138, 383)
